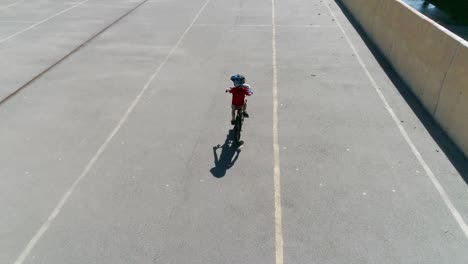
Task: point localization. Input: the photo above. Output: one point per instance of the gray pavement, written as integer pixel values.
(158, 189)
(37, 34)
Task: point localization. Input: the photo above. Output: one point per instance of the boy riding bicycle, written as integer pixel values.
(239, 91)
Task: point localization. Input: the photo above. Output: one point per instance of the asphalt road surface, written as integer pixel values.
(115, 139)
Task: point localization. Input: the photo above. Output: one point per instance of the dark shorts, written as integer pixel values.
(238, 107)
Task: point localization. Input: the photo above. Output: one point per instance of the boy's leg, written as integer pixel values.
(245, 109)
(233, 114)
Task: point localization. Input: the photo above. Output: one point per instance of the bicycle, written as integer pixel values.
(238, 126)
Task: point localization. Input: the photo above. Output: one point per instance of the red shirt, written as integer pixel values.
(238, 94)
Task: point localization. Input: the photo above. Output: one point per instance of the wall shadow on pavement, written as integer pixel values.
(228, 156)
(453, 153)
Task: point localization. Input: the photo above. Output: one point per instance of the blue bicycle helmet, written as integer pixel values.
(238, 79)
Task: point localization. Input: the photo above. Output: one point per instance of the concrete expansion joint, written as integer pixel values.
(19, 21)
(442, 84)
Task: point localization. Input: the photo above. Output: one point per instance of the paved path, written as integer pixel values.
(112, 110)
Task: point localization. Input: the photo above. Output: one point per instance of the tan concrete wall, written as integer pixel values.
(452, 109)
(361, 10)
(429, 58)
(422, 54)
(382, 30)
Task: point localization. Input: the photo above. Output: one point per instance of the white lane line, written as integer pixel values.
(12, 4)
(45, 226)
(403, 132)
(230, 25)
(276, 157)
(260, 25)
(307, 26)
(42, 21)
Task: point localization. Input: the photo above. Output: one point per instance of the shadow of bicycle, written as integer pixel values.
(228, 156)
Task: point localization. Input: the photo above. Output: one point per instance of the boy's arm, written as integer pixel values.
(248, 90)
(229, 90)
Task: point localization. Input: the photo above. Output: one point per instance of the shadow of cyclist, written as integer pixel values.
(229, 154)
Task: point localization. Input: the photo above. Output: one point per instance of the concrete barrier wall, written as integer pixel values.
(452, 110)
(361, 10)
(430, 59)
